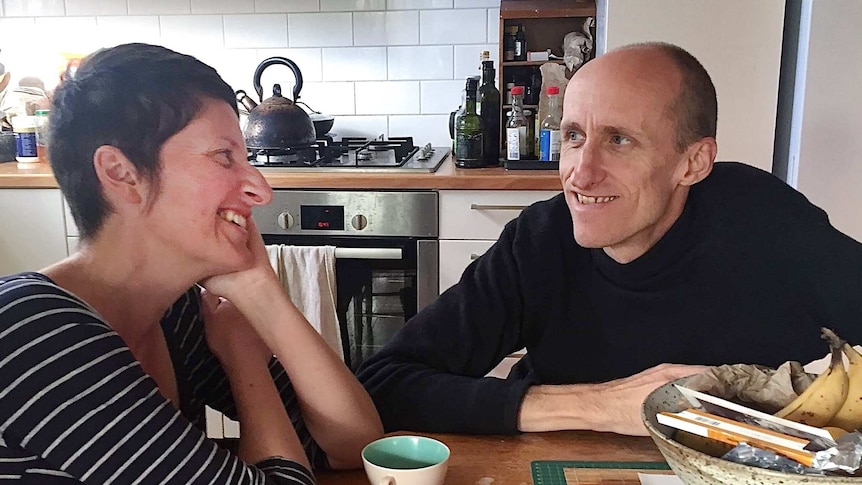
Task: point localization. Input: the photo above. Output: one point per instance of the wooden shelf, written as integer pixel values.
(538, 9)
(531, 63)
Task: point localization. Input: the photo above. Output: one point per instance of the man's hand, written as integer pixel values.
(610, 406)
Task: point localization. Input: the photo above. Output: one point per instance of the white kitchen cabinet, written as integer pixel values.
(32, 229)
(739, 44)
(471, 221)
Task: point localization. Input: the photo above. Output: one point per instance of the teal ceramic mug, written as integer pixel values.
(405, 460)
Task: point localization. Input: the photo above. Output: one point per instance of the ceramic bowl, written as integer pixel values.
(696, 468)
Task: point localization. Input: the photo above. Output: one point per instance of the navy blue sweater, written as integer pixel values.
(749, 273)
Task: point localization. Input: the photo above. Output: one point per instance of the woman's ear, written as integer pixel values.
(701, 155)
(118, 176)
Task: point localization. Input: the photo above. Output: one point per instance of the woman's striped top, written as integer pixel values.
(76, 407)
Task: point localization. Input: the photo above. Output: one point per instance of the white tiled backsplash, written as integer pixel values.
(380, 66)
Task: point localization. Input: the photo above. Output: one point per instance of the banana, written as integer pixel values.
(820, 402)
(849, 416)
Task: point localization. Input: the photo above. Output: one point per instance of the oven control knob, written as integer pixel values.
(285, 220)
(359, 222)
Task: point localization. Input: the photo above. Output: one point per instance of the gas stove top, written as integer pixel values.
(351, 154)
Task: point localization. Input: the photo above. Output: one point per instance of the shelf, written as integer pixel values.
(531, 63)
(537, 9)
(525, 106)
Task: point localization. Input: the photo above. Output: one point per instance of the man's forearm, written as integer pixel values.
(553, 408)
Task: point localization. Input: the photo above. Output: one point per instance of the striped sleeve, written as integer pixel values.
(210, 383)
(75, 401)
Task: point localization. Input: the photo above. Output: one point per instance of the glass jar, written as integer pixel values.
(42, 134)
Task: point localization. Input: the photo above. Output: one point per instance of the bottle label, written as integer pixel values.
(516, 143)
(25, 143)
(550, 143)
(469, 146)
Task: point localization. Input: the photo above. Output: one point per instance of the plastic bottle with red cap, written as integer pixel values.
(549, 138)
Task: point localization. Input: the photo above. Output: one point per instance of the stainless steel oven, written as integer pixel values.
(386, 255)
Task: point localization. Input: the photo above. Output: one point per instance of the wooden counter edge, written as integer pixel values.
(447, 177)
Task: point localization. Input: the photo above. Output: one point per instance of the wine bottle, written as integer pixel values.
(469, 132)
(489, 110)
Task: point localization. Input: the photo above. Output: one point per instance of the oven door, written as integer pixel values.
(381, 283)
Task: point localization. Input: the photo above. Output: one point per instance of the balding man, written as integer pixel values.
(653, 263)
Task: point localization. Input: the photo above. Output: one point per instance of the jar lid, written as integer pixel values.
(23, 122)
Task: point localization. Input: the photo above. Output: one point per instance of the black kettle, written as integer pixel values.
(277, 122)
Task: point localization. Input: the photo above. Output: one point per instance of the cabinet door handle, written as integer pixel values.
(496, 207)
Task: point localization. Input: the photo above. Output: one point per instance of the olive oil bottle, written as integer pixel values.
(469, 132)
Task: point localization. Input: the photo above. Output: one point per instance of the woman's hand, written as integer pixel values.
(234, 286)
(228, 333)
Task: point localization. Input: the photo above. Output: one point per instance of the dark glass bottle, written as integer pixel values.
(509, 44)
(520, 44)
(469, 132)
(489, 110)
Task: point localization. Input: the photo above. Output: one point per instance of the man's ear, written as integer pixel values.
(701, 156)
(118, 176)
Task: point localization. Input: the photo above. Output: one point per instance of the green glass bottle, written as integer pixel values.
(489, 110)
(469, 132)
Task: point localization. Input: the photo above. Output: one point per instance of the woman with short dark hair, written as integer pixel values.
(108, 358)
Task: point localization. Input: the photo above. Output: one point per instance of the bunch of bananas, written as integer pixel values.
(834, 399)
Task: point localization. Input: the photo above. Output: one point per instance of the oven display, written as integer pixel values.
(322, 217)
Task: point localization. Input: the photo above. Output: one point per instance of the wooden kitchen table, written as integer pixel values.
(505, 460)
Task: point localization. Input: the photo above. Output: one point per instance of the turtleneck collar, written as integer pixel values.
(670, 249)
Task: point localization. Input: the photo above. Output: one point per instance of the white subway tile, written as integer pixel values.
(308, 61)
(159, 7)
(440, 97)
(477, 3)
(96, 7)
(2, 12)
(433, 129)
(115, 30)
(182, 31)
(367, 126)
(222, 6)
(78, 33)
(386, 28)
(393, 97)
(34, 8)
(417, 4)
(354, 64)
(494, 26)
(235, 66)
(286, 6)
(351, 5)
(259, 30)
(425, 62)
(12, 30)
(330, 98)
(453, 26)
(467, 59)
(320, 29)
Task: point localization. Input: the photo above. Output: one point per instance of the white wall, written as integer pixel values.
(830, 147)
(380, 66)
(739, 43)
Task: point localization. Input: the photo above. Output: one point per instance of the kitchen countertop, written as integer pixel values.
(447, 177)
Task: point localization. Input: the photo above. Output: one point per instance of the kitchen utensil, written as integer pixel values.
(696, 468)
(277, 122)
(322, 123)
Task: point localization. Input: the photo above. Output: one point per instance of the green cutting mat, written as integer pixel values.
(594, 472)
